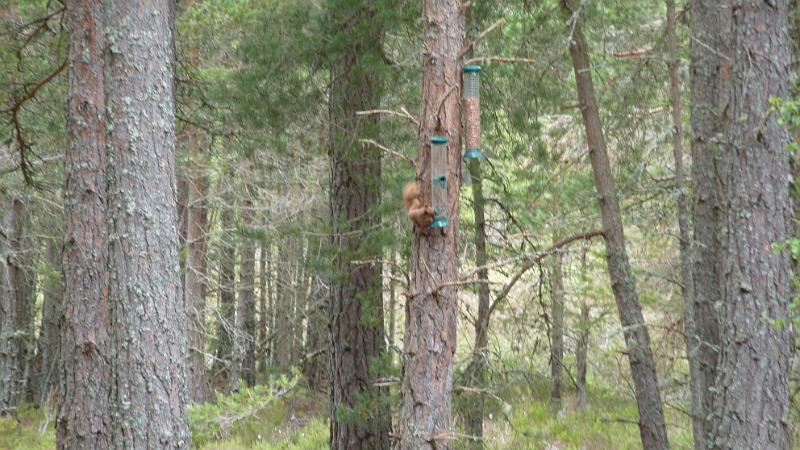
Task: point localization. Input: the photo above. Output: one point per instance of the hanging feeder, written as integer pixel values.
(439, 181)
(472, 107)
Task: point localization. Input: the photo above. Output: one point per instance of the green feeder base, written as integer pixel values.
(474, 153)
(439, 222)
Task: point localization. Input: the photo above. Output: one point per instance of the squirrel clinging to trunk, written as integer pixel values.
(421, 215)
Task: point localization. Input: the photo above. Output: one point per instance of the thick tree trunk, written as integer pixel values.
(194, 284)
(652, 427)
(149, 392)
(430, 339)
(684, 233)
(356, 318)
(556, 328)
(711, 80)
(84, 416)
(751, 406)
(124, 389)
(45, 367)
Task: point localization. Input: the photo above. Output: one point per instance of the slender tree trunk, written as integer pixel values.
(652, 427)
(247, 301)
(711, 79)
(24, 265)
(149, 390)
(226, 320)
(582, 346)
(44, 375)
(684, 233)
(281, 335)
(557, 328)
(263, 312)
(194, 294)
(9, 350)
(356, 318)
(430, 339)
(84, 415)
(751, 406)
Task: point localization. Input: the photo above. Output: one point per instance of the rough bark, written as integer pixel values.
(194, 284)
(124, 389)
(684, 232)
(751, 406)
(148, 392)
(359, 415)
(556, 328)
(710, 81)
(652, 427)
(84, 415)
(430, 339)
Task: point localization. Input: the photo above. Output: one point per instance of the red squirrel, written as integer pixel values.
(421, 215)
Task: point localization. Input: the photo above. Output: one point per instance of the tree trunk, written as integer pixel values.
(24, 265)
(84, 416)
(281, 349)
(684, 233)
(44, 373)
(263, 313)
(582, 346)
(226, 318)
(710, 79)
(556, 328)
(430, 339)
(126, 388)
(652, 427)
(194, 294)
(148, 320)
(247, 300)
(751, 406)
(356, 318)
(9, 350)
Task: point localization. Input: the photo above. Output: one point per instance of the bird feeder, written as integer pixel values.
(472, 107)
(439, 181)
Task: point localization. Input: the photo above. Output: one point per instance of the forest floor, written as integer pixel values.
(297, 421)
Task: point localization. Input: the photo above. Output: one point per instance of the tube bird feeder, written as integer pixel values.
(439, 181)
(472, 108)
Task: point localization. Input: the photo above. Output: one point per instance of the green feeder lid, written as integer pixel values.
(438, 140)
(474, 153)
(439, 222)
(472, 69)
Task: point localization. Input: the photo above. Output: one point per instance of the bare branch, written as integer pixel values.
(480, 37)
(402, 113)
(510, 59)
(389, 151)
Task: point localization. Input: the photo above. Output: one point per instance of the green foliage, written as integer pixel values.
(249, 413)
(312, 436)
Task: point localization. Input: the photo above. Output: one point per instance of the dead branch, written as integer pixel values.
(389, 151)
(499, 59)
(480, 37)
(402, 113)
